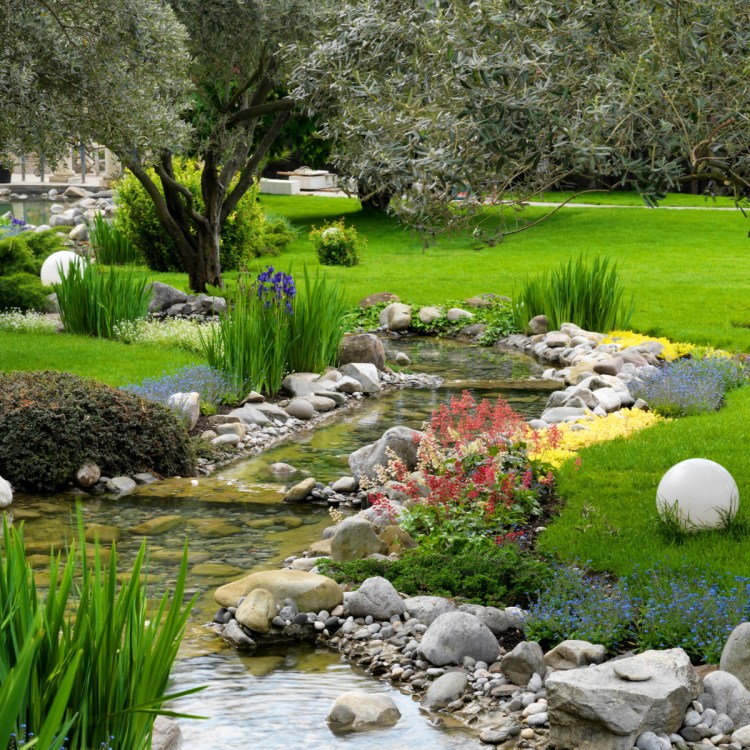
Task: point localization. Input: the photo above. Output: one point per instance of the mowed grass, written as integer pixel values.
(687, 269)
(108, 361)
(609, 517)
(616, 198)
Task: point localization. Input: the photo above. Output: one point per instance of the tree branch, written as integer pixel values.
(253, 113)
(163, 170)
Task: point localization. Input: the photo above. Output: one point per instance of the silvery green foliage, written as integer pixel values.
(494, 99)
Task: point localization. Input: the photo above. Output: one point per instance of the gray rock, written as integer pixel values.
(401, 441)
(396, 317)
(76, 191)
(378, 298)
(525, 660)
(455, 314)
(355, 538)
(609, 366)
(376, 597)
(187, 407)
(402, 359)
(164, 296)
(348, 385)
(145, 477)
(455, 635)
(347, 485)
(281, 469)
(427, 609)
(250, 415)
(121, 485)
(300, 408)
(538, 325)
(166, 735)
(88, 475)
(428, 315)
(609, 399)
(742, 735)
(6, 493)
(321, 403)
(257, 610)
(563, 414)
(227, 439)
(62, 220)
(446, 689)
(235, 636)
(358, 711)
(651, 741)
(79, 233)
(365, 374)
(497, 620)
(232, 428)
(735, 658)
(270, 411)
(338, 398)
(573, 654)
(593, 709)
(300, 384)
(300, 491)
(556, 340)
(729, 696)
(362, 347)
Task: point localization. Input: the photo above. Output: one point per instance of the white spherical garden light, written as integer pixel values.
(57, 262)
(701, 494)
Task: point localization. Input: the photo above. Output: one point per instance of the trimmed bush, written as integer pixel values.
(241, 236)
(51, 423)
(43, 244)
(337, 244)
(16, 257)
(22, 291)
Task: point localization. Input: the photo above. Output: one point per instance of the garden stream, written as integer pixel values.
(236, 523)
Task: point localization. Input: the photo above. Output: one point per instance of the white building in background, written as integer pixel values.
(94, 164)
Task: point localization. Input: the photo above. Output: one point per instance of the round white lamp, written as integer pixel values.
(700, 492)
(61, 260)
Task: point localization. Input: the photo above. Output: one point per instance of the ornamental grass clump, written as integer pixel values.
(214, 386)
(591, 295)
(112, 247)
(689, 386)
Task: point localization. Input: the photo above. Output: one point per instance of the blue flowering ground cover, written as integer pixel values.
(213, 386)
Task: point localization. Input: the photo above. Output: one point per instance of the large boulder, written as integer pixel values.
(396, 317)
(164, 296)
(309, 591)
(427, 609)
(356, 711)
(456, 635)
(6, 493)
(364, 373)
(248, 414)
(377, 597)
(606, 707)
(730, 696)
(401, 441)
(362, 347)
(355, 537)
(524, 661)
(300, 383)
(735, 658)
(187, 407)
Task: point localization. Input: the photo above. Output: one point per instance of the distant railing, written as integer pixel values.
(82, 161)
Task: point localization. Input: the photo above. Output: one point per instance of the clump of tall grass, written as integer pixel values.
(92, 302)
(89, 660)
(590, 295)
(270, 330)
(111, 246)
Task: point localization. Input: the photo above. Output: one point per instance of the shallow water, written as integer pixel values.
(235, 522)
(32, 212)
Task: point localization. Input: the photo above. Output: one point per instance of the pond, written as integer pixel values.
(31, 211)
(236, 523)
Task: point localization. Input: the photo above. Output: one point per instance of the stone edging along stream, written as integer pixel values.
(455, 659)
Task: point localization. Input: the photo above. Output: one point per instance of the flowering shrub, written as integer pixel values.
(689, 386)
(672, 349)
(16, 321)
(183, 333)
(214, 386)
(337, 244)
(475, 469)
(657, 608)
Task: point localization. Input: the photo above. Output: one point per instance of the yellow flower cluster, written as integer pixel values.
(623, 423)
(672, 349)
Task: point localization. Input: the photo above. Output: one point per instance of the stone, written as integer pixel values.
(538, 325)
(591, 708)
(376, 597)
(735, 658)
(401, 441)
(62, 220)
(742, 735)
(446, 689)
(395, 317)
(497, 620)
(235, 636)
(79, 233)
(455, 314)
(309, 591)
(348, 385)
(453, 636)
(402, 359)
(164, 296)
(187, 407)
(300, 408)
(88, 475)
(357, 711)
(573, 654)
(321, 548)
(321, 403)
(362, 347)
(121, 485)
(427, 609)
(729, 696)
(249, 415)
(556, 340)
(563, 414)
(339, 399)
(156, 526)
(378, 299)
(229, 439)
(355, 538)
(347, 485)
(428, 315)
(365, 374)
(270, 411)
(524, 661)
(282, 469)
(166, 734)
(608, 398)
(395, 539)
(104, 533)
(300, 491)
(233, 428)
(609, 366)
(76, 191)
(257, 610)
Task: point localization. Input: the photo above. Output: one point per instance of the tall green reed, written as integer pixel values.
(591, 295)
(111, 246)
(90, 660)
(93, 301)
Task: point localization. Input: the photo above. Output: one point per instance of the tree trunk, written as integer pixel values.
(205, 265)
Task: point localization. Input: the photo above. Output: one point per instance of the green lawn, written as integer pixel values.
(613, 198)
(618, 481)
(107, 361)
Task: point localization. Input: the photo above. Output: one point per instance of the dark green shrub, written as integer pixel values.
(337, 244)
(23, 291)
(17, 257)
(505, 576)
(241, 236)
(51, 423)
(43, 244)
